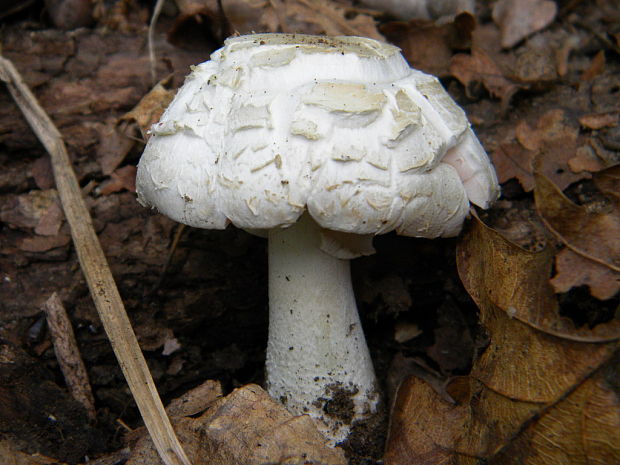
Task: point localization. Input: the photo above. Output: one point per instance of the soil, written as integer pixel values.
(200, 308)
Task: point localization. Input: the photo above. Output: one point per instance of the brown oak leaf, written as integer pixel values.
(429, 46)
(593, 235)
(573, 270)
(479, 67)
(548, 148)
(518, 19)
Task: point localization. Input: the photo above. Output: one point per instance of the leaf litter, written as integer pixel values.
(523, 379)
(538, 372)
(592, 240)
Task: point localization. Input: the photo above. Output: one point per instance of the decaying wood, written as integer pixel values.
(97, 272)
(68, 354)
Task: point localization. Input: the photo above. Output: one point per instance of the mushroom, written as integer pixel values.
(319, 143)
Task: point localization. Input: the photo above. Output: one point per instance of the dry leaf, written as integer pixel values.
(579, 429)
(533, 369)
(595, 236)
(511, 160)
(599, 120)
(529, 138)
(247, 16)
(12, 456)
(608, 182)
(196, 7)
(26, 211)
(149, 109)
(516, 280)
(188, 30)
(152, 334)
(582, 429)
(402, 368)
(171, 346)
(586, 160)
(521, 360)
(518, 19)
(42, 173)
(552, 127)
(425, 428)
(300, 16)
(44, 243)
(597, 65)
(518, 222)
(480, 67)
(195, 400)
(330, 18)
(548, 147)
(405, 331)
(113, 147)
(428, 46)
(439, 10)
(70, 14)
(50, 222)
(246, 427)
(122, 179)
(562, 54)
(573, 270)
(536, 66)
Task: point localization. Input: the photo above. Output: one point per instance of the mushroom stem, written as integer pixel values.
(317, 359)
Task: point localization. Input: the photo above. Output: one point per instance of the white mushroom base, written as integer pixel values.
(317, 359)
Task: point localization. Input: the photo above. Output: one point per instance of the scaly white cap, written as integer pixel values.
(275, 124)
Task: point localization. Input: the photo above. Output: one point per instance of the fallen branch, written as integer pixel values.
(97, 272)
(68, 354)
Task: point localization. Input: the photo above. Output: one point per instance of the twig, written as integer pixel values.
(68, 354)
(97, 272)
(14, 8)
(151, 39)
(175, 243)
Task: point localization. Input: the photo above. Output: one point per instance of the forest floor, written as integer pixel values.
(498, 339)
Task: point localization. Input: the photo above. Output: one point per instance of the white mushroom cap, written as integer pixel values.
(276, 124)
